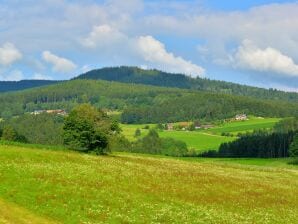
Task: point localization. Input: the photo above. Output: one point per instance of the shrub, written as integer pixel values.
(88, 129)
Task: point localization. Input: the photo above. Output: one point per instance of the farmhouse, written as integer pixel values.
(58, 112)
(170, 127)
(241, 117)
(207, 126)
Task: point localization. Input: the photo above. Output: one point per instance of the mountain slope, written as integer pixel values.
(158, 78)
(7, 86)
(141, 103)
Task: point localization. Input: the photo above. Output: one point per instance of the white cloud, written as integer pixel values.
(144, 49)
(249, 56)
(101, 36)
(269, 25)
(9, 54)
(14, 75)
(38, 76)
(59, 64)
(154, 51)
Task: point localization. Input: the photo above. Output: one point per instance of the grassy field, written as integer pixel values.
(200, 141)
(45, 186)
(253, 123)
(203, 140)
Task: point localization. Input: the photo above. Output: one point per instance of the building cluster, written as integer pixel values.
(58, 112)
(184, 126)
(241, 117)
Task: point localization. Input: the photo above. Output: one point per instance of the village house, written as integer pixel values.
(241, 117)
(58, 112)
(170, 127)
(207, 126)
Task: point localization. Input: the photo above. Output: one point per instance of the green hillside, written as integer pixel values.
(69, 187)
(254, 123)
(7, 86)
(141, 103)
(158, 78)
(202, 140)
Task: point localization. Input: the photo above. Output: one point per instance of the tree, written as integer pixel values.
(88, 129)
(9, 134)
(294, 147)
(138, 133)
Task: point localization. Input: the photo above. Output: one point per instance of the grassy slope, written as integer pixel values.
(243, 126)
(207, 139)
(10, 213)
(196, 139)
(76, 188)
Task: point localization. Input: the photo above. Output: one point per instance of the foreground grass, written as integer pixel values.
(10, 213)
(76, 188)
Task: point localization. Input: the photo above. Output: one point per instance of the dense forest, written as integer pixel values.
(42, 129)
(158, 78)
(140, 103)
(256, 145)
(262, 144)
(7, 86)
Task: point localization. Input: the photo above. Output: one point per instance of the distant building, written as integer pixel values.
(207, 126)
(170, 127)
(36, 112)
(241, 117)
(58, 112)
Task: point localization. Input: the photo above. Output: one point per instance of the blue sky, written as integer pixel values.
(248, 42)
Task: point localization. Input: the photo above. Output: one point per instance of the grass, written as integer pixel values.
(69, 187)
(200, 141)
(203, 140)
(11, 213)
(254, 123)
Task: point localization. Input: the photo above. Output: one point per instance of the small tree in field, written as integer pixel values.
(294, 147)
(9, 134)
(88, 129)
(138, 133)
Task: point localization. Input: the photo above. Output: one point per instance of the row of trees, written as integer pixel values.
(282, 142)
(42, 129)
(256, 145)
(153, 144)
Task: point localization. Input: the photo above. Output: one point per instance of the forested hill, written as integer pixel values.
(158, 78)
(141, 103)
(7, 86)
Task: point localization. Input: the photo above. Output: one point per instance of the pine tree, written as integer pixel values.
(294, 147)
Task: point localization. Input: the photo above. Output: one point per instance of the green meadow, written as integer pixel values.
(202, 140)
(46, 186)
(254, 123)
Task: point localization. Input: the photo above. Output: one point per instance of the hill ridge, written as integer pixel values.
(132, 74)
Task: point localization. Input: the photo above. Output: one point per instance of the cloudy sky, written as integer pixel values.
(252, 42)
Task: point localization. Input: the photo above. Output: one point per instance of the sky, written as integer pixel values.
(249, 42)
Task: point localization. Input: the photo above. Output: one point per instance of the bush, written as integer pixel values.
(137, 133)
(172, 147)
(9, 134)
(153, 144)
(119, 143)
(88, 129)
